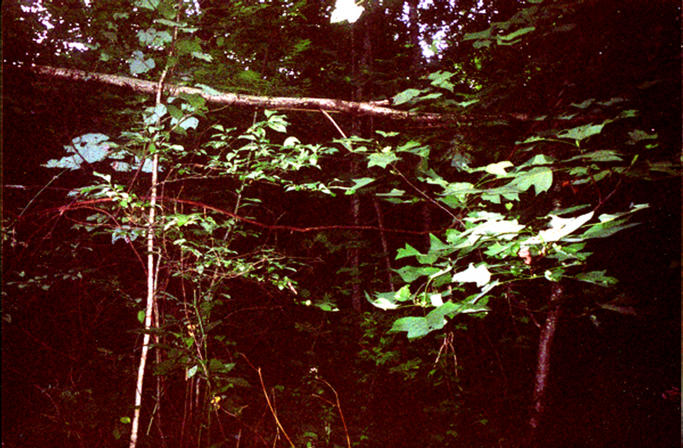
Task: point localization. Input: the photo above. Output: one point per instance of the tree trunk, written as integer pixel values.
(383, 240)
(414, 30)
(545, 344)
(361, 60)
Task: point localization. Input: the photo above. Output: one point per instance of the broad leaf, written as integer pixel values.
(582, 132)
(541, 178)
(405, 96)
(479, 275)
(561, 227)
(381, 159)
(597, 277)
(138, 64)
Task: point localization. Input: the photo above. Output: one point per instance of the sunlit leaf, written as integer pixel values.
(582, 132)
(514, 35)
(148, 4)
(381, 159)
(405, 96)
(541, 178)
(359, 183)
(415, 327)
(138, 64)
(498, 169)
(203, 56)
(561, 227)
(189, 123)
(408, 251)
(479, 275)
(191, 371)
(346, 10)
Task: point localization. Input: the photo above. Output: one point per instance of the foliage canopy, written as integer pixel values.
(560, 140)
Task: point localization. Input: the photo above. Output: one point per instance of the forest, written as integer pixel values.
(341, 223)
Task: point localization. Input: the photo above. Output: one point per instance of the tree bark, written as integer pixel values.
(383, 240)
(369, 108)
(543, 364)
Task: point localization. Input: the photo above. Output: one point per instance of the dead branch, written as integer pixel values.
(373, 108)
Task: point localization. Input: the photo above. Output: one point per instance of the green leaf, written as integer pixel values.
(514, 35)
(138, 64)
(561, 227)
(584, 104)
(174, 111)
(416, 327)
(582, 132)
(154, 38)
(387, 134)
(141, 316)
(414, 147)
(405, 96)
(486, 34)
(389, 300)
(249, 76)
(167, 9)
(411, 273)
(479, 275)
(554, 275)
(541, 178)
(498, 169)
(597, 278)
(188, 46)
(203, 56)
(638, 135)
(606, 229)
(197, 101)
(603, 155)
(381, 159)
(408, 251)
(538, 159)
(189, 123)
(436, 245)
(147, 4)
(490, 224)
(359, 183)
(442, 79)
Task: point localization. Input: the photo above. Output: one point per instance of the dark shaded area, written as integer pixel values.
(70, 299)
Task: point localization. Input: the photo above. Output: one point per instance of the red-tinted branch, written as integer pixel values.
(89, 202)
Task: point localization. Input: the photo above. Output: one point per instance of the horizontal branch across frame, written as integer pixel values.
(369, 108)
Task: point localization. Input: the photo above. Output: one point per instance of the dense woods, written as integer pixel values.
(280, 223)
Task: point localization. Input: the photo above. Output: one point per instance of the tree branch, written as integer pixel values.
(372, 108)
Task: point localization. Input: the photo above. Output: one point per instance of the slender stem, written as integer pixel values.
(272, 410)
(426, 196)
(341, 414)
(334, 123)
(151, 282)
(45, 187)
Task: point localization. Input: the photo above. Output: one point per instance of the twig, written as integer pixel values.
(426, 196)
(341, 414)
(333, 122)
(272, 410)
